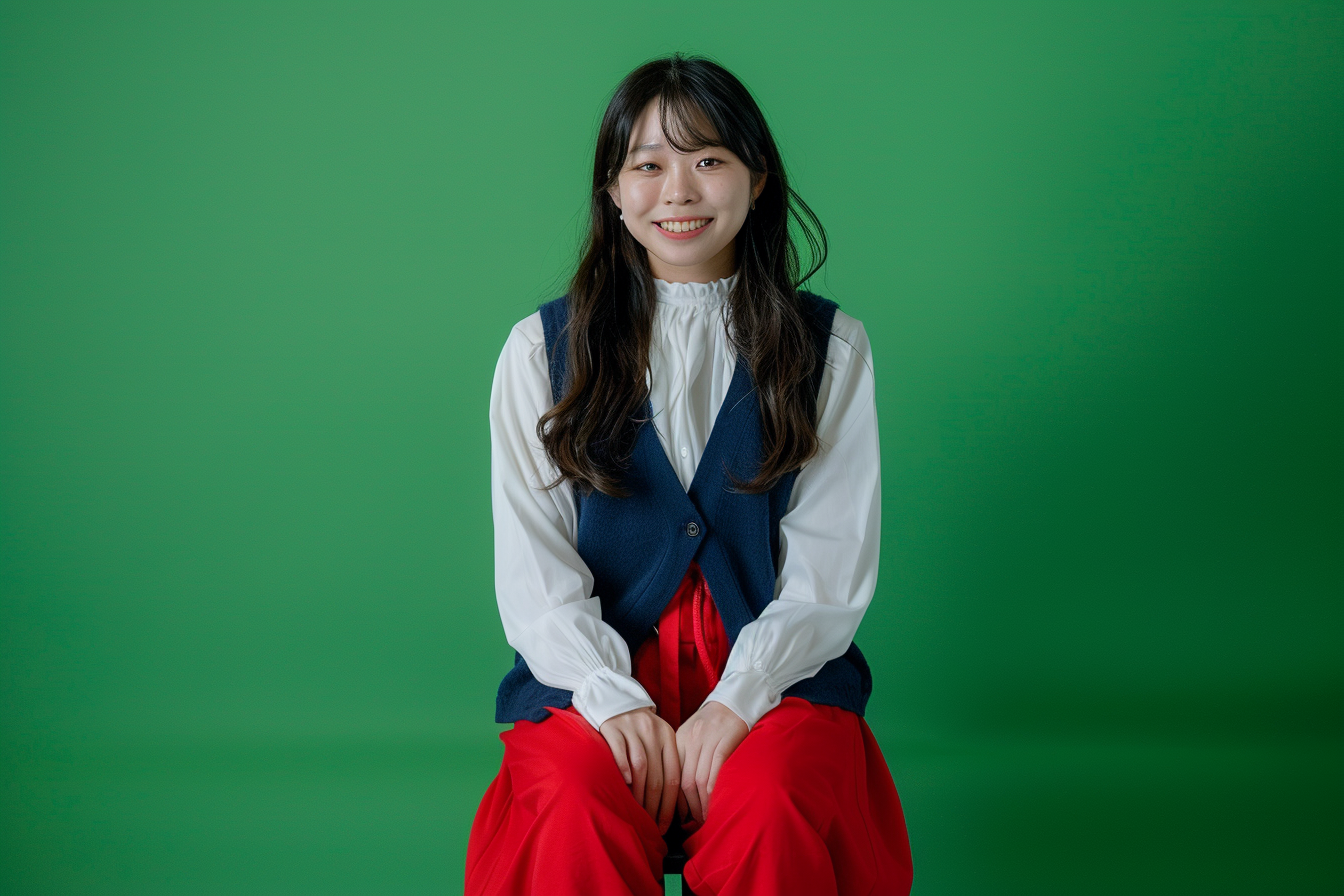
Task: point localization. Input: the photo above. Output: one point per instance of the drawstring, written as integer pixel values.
(669, 658)
(701, 648)
(669, 633)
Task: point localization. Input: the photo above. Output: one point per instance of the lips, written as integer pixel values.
(700, 226)
(683, 225)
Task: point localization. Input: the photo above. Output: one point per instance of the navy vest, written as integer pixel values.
(639, 547)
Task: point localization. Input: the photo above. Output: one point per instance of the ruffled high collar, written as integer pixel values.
(715, 292)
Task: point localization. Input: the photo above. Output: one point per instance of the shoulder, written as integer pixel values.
(528, 332)
(847, 346)
(524, 351)
(527, 337)
(849, 342)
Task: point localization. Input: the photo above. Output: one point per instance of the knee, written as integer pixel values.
(571, 764)
(764, 795)
(772, 791)
(590, 767)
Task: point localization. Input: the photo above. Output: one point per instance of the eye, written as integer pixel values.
(717, 163)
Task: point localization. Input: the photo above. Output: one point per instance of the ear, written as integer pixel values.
(759, 187)
(615, 194)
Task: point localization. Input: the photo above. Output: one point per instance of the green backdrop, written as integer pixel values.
(257, 262)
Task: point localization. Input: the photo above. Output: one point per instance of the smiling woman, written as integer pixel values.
(687, 502)
(703, 195)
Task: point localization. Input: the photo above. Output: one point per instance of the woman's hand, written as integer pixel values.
(704, 743)
(645, 748)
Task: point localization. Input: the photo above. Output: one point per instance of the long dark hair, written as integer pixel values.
(590, 433)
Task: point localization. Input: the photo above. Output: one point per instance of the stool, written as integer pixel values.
(675, 862)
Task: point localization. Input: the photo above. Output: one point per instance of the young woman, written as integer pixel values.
(687, 503)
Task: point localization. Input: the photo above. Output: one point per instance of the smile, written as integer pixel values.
(684, 229)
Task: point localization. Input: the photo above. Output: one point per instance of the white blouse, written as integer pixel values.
(828, 537)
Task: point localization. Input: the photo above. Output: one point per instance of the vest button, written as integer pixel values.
(692, 528)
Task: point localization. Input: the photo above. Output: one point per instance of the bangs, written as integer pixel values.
(685, 124)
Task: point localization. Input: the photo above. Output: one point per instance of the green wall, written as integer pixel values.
(257, 262)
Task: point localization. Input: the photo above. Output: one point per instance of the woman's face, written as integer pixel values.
(657, 183)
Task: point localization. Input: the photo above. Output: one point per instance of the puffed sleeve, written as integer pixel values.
(829, 540)
(542, 585)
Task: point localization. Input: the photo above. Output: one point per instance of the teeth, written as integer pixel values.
(683, 226)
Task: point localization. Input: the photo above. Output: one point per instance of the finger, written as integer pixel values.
(639, 767)
(671, 783)
(617, 743)
(653, 780)
(703, 763)
(688, 781)
(720, 756)
(683, 808)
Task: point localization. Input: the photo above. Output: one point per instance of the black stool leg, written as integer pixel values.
(675, 861)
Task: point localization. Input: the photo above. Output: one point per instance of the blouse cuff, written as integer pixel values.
(606, 693)
(747, 693)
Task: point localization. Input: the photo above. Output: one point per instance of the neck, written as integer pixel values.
(716, 268)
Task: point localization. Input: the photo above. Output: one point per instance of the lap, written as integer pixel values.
(804, 805)
(563, 754)
(799, 746)
(800, 754)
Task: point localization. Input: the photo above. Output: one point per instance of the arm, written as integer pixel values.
(829, 542)
(542, 585)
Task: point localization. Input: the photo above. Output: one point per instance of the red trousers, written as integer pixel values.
(805, 804)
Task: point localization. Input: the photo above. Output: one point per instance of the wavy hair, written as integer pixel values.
(590, 433)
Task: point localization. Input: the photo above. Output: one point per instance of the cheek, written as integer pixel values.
(641, 194)
(729, 196)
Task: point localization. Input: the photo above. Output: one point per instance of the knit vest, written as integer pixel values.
(639, 547)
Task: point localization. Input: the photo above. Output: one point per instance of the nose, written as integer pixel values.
(679, 188)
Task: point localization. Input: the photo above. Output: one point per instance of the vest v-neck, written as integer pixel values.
(692, 362)
(738, 388)
(692, 366)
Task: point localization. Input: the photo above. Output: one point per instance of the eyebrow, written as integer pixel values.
(645, 146)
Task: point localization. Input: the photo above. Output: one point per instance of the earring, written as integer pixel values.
(622, 216)
(753, 203)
